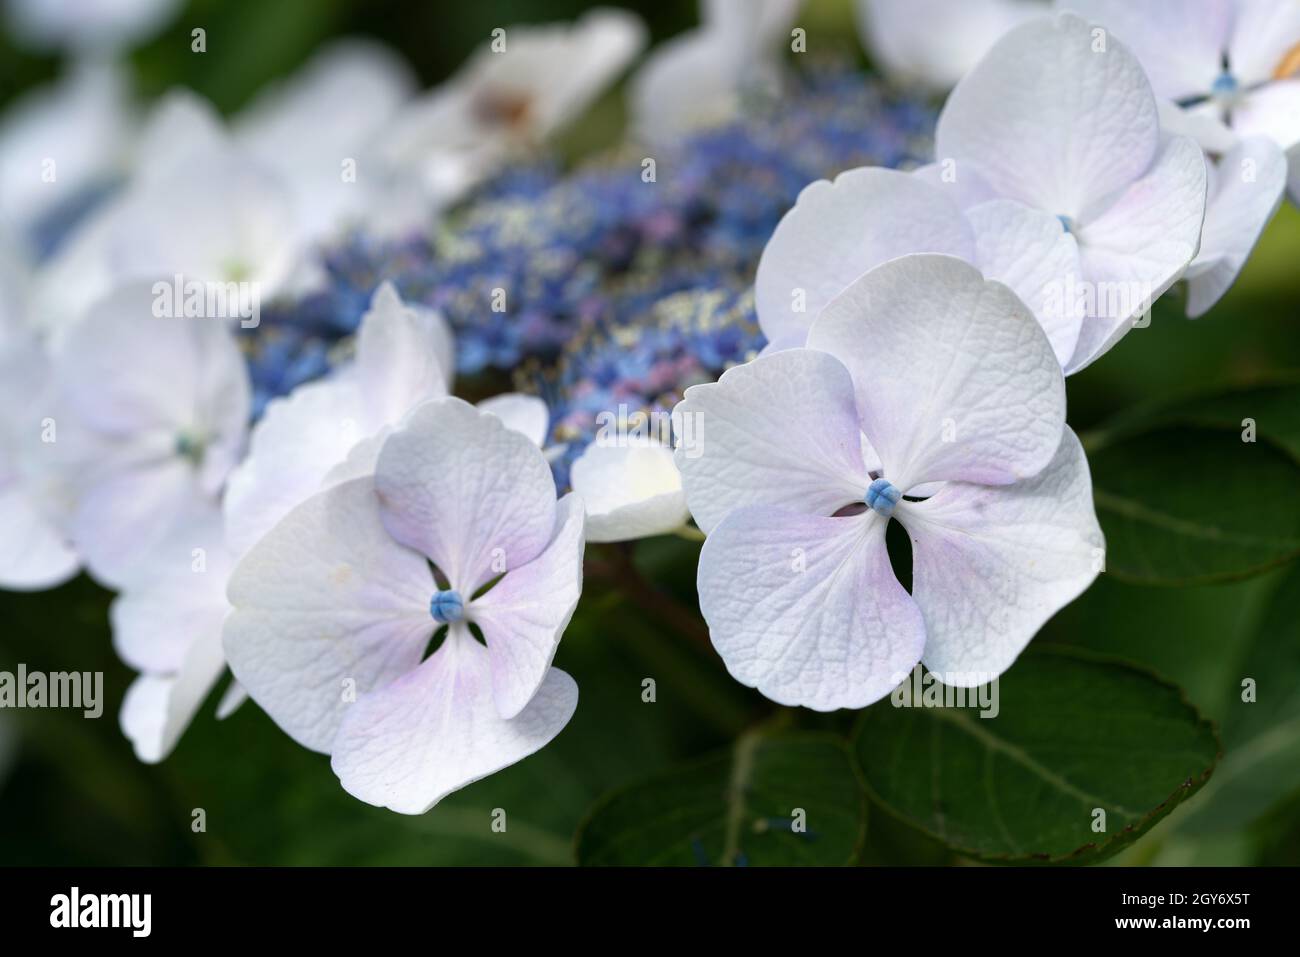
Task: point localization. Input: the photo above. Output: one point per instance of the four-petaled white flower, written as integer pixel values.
(1061, 118)
(1231, 66)
(336, 606)
(1228, 75)
(921, 379)
(151, 416)
(196, 205)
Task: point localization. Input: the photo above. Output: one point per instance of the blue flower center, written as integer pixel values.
(882, 496)
(1066, 222)
(1225, 85)
(446, 606)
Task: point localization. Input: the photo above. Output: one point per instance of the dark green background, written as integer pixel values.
(74, 793)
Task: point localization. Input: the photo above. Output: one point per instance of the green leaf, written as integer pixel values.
(1261, 766)
(739, 807)
(1072, 733)
(1188, 635)
(1272, 407)
(1185, 505)
(269, 801)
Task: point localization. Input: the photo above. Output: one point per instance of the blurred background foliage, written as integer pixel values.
(71, 792)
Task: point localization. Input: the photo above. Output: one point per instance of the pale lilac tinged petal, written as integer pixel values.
(176, 595)
(159, 707)
(1180, 43)
(326, 603)
(405, 355)
(1245, 193)
(838, 230)
(458, 486)
(361, 460)
(688, 82)
(524, 615)
(34, 553)
(1048, 120)
(794, 340)
(1029, 251)
(961, 183)
(410, 743)
(781, 430)
(329, 110)
(329, 431)
(525, 414)
(955, 379)
(293, 447)
(1139, 246)
(1273, 111)
(1203, 122)
(934, 43)
(754, 24)
(990, 565)
(167, 623)
(631, 491)
(126, 514)
(807, 609)
(123, 370)
(571, 64)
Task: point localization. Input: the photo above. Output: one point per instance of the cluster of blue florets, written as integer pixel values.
(617, 284)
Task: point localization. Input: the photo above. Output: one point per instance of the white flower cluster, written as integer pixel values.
(388, 570)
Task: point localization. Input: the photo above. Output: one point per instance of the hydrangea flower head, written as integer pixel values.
(925, 394)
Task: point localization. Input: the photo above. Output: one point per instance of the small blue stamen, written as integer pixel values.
(1066, 222)
(882, 496)
(1224, 85)
(446, 606)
